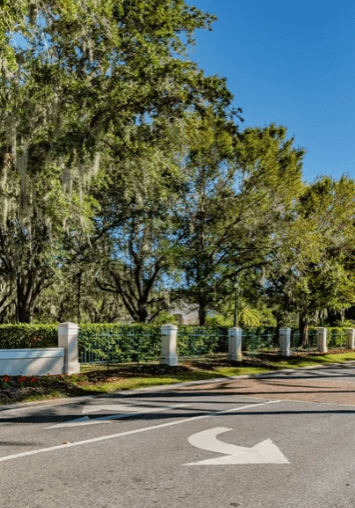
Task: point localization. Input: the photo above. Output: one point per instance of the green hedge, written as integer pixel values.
(336, 335)
(201, 340)
(261, 338)
(28, 336)
(119, 343)
(138, 342)
(97, 342)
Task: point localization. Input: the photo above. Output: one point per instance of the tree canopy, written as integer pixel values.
(127, 183)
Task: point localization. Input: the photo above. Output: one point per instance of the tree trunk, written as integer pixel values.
(142, 314)
(303, 328)
(202, 311)
(280, 319)
(28, 290)
(24, 307)
(24, 314)
(79, 276)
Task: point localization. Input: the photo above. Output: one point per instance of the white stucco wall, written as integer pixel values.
(31, 362)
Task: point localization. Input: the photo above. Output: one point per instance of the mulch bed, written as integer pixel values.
(14, 390)
(18, 388)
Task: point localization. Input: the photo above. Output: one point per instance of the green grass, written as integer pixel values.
(51, 395)
(102, 380)
(199, 374)
(133, 383)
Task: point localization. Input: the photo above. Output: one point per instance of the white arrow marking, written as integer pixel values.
(117, 407)
(78, 422)
(263, 453)
(135, 431)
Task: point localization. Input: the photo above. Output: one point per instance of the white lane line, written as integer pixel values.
(136, 431)
(86, 420)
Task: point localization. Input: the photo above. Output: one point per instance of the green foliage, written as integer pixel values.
(28, 336)
(83, 99)
(313, 270)
(201, 341)
(260, 338)
(237, 206)
(336, 337)
(126, 183)
(164, 318)
(119, 343)
(219, 321)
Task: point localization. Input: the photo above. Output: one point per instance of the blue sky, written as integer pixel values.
(292, 63)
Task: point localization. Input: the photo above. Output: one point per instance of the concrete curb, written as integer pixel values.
(160, 388)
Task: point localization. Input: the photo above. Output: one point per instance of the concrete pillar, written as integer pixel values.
(285, 341)
(168, 345)
(322, 340)
(68, 339)
(350, 335)
(235, 344)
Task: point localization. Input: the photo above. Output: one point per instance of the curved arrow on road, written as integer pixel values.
(263, 453)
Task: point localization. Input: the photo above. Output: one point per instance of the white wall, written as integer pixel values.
(31, 362)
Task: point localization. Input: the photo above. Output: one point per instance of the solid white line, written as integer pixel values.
(136, 431)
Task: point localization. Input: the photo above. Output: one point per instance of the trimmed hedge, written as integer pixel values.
(141, 343)
(107, 342)
(201, 340)
(336, 335)
(261, 338)
(28, 336)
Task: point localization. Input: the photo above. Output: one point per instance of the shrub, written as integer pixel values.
(28, 336)
(119, 343)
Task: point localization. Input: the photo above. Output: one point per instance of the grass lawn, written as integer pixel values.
(102, 380)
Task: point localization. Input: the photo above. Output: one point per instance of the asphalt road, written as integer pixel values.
(145, 449)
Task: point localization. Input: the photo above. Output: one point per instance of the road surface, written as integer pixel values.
(284, 440)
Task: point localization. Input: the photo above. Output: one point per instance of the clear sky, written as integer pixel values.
(291, 62)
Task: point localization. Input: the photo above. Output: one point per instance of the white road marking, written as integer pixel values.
(116, 407)
(78, 422)
(263, 453)
(85, 420)
(131, 432)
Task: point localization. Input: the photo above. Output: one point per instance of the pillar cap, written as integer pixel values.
(68, 325)
(170, 327)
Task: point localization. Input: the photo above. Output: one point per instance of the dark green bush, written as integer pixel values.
(336, 335)
(141, 343)
(119, 343)
(263, 338)
(28, 336)
(201, 340)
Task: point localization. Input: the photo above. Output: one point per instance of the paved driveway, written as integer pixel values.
(203, 446)
(334, 385)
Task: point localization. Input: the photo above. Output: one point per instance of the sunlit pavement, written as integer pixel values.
(232, 443)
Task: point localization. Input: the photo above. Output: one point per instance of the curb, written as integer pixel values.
(161, 388)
